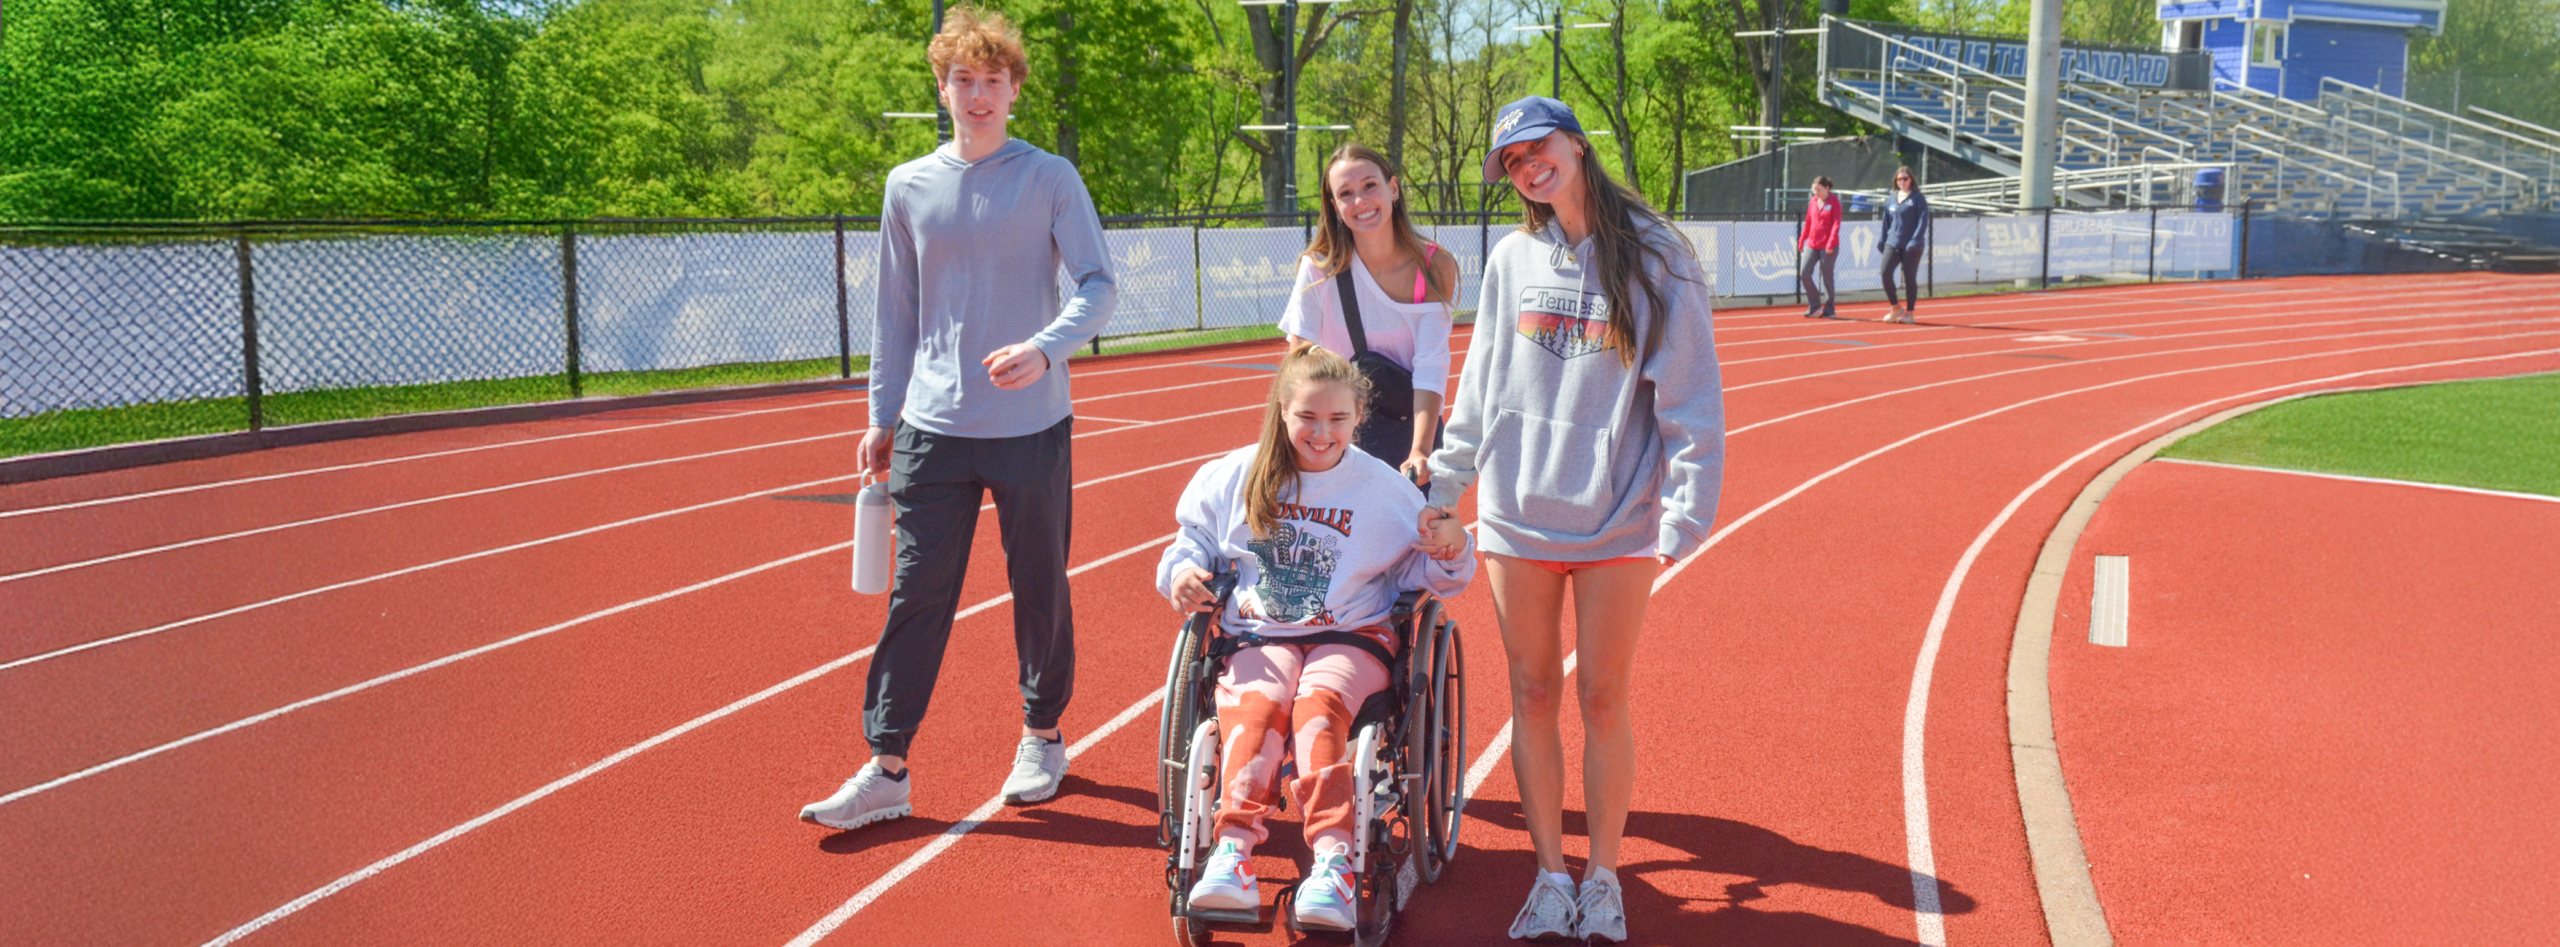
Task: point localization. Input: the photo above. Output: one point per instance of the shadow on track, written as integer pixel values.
(1704, 895)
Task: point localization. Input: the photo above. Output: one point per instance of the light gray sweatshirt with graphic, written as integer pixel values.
(969, 257)
(1580, 457)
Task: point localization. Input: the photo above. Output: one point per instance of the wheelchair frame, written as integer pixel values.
(1409, 783)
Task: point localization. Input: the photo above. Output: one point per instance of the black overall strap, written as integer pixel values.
(1228, 645)
(1351, 312)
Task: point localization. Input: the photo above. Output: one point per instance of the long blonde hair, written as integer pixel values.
(1619, 251)
(1334, 244)
(1274, 477)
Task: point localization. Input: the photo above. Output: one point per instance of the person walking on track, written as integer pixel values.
(1591, 412)
(1399, 338)
(1904, 242)
(1818, 252)
(971, 239)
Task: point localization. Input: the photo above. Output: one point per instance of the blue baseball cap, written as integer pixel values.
(1528, 119)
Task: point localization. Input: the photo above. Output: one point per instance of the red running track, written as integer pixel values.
(2332, 721)
(556, 709)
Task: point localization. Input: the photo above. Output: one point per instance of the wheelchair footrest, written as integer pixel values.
(1226, 915)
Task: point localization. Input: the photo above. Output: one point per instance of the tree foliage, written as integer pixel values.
(562, 108)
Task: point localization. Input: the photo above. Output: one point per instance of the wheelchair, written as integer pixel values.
(1408, 782)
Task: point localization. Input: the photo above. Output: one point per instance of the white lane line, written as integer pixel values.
(2465, 304)
(411, 671)
(1257, 376)
(2475, 491)
(1081, 416)
(466, 557)
(1915, 787)
(343, 882)
(404, 504)
(262, 478)
(2118, 358)
(951, 836)
(168, 547)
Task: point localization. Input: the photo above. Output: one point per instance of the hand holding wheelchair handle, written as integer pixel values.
(1198, 590)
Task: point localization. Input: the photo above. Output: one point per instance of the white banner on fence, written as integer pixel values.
(1955, 247)
(116, 324)
(408, 309)
(1246, 275)
(2193, 242)
(861, 287)
(1153, 269)
(1861, 265)
(1764, 259)
(2010, 248)
(663, 301)
(1712, 241)
(2083, 245)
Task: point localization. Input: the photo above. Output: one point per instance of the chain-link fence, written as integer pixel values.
(250, 316)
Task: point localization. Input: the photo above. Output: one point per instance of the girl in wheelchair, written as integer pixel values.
(1319, 534)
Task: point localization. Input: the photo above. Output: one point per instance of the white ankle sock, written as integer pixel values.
(1561, 879)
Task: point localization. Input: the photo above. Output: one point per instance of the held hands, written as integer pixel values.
(1015, 366)
(1441, 536)
(1191, 590)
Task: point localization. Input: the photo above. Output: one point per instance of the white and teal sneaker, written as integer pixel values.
(1328, 899)
(1226, 882)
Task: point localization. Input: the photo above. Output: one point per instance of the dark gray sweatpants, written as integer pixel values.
(938, 483)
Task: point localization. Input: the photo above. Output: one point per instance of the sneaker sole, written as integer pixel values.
(879, 816)
(1240, 902)
(1320, 924)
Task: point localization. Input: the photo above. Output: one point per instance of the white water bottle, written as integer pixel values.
(872, 544)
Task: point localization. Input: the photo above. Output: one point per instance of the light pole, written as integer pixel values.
(1555, 44)
(1288, 94)
(1775, 105)
(941, 113)
(1779, 137)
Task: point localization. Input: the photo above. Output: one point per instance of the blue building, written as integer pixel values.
(2285, 47)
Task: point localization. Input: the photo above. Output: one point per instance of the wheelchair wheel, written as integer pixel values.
(1174, 723)
(1446, 752)
(1190, 933)
(1377, 903)
(1419, 726)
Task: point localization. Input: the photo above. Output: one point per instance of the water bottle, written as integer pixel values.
(872, 544)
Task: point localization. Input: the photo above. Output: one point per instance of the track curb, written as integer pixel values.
(2073, 915)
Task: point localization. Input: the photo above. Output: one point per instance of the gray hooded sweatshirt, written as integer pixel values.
(1581, 457)
(969, 257)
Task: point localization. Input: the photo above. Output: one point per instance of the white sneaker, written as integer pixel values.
(1226, 881)
(1328, 900)
(1039, 764)
(1549, 912)
(870, 796)
(1602, 909)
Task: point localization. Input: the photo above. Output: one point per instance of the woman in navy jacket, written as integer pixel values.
(1905, 237)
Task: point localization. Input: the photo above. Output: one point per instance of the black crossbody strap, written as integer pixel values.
(1351, 313)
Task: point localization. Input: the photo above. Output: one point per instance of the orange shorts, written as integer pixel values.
(1566, 568)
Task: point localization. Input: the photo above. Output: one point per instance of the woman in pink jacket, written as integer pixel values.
(1818, 251)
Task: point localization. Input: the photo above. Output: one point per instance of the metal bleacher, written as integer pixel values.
(2356, 153)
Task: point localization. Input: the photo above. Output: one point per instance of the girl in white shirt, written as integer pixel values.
(1319, 537)
(1404, 285)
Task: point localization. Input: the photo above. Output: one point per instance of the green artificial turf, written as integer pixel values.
(2498, 434)
(93, 427)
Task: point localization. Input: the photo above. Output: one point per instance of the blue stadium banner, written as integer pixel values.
(2006, 56)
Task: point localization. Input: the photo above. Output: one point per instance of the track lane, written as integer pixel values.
(1485, 651)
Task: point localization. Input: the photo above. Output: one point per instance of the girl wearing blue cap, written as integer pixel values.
(1591, 410)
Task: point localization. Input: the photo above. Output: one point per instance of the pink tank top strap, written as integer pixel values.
(1420, 288)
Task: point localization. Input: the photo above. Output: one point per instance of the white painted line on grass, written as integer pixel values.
(2475, 491)
(343, 882)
